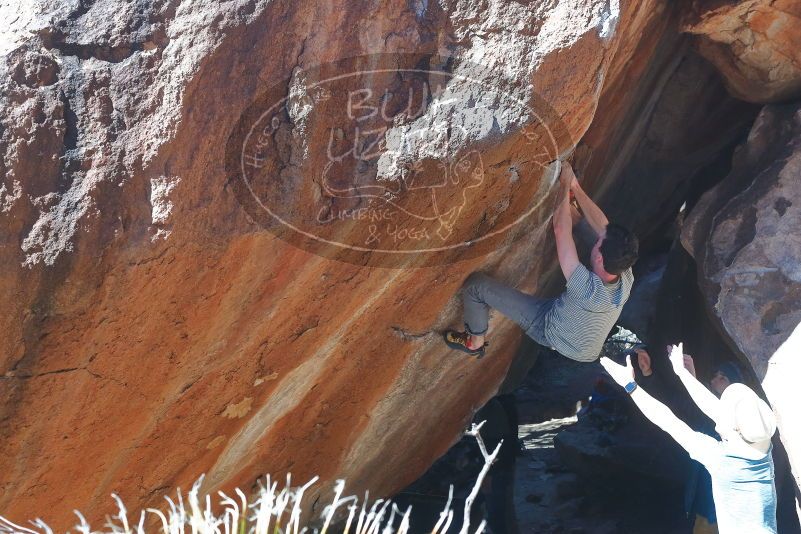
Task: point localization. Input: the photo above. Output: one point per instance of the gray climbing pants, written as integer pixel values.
(481, 292)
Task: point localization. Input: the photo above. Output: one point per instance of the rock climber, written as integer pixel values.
(577, 322)
(740, 464)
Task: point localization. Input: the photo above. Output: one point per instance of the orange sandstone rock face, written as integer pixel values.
(756, 45)
(156, 327)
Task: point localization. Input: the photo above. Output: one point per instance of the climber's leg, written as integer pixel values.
(481, 292)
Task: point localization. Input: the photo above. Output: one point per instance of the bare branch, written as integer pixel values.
(489, 459)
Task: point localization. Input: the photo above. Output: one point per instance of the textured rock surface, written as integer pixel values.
(756, 45)
(153, 332)
(671, 125)
(744, 236)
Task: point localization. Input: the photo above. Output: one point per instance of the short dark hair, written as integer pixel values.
(619, 248)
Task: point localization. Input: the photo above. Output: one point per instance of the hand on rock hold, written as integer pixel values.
(567, 177)
(622, 374)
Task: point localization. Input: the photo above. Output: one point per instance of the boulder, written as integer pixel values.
(742, 235)
(159, 325)
(755, 44)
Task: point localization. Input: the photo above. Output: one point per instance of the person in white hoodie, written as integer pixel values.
(741, 464)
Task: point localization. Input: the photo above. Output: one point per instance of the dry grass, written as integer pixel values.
(273, 511)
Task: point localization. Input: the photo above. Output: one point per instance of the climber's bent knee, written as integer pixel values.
(474, 284)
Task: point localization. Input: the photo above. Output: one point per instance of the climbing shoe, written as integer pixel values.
(458, 340)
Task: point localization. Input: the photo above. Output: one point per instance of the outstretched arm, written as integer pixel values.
(703, 398)
(592, 212)
(563, 228)
(695, 443)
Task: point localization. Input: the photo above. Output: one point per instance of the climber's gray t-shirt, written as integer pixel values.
(577, 324)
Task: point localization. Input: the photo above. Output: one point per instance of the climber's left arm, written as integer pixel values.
(563, 230)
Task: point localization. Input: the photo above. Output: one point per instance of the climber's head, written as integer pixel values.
(615, 251)
(745, 417)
